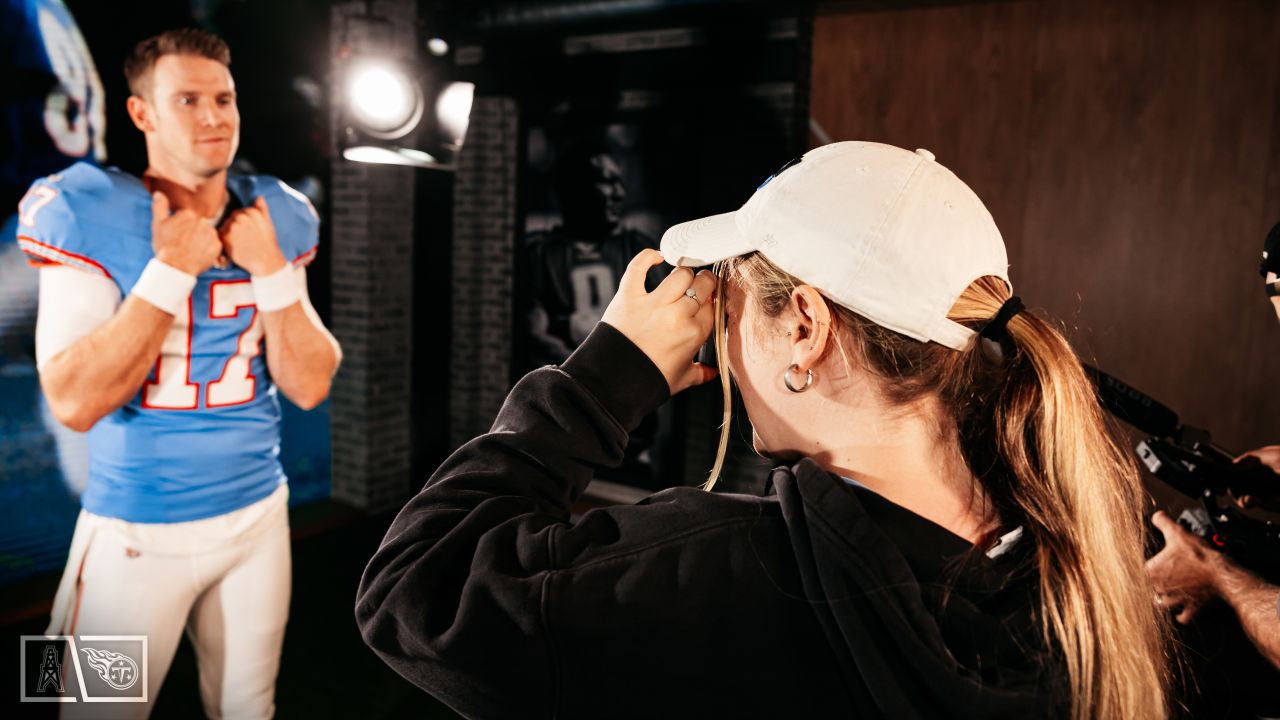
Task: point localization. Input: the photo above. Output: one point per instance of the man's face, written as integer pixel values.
(194, 122)
(593, 199)
(607, 183)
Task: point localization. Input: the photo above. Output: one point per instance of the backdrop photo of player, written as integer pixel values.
(586, 221)
(53, 107)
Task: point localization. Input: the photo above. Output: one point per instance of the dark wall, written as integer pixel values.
(1130, 153)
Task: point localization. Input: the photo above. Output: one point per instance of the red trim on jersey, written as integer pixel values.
(191, 324)
(51, 254)
(306, 257)
(253, 379)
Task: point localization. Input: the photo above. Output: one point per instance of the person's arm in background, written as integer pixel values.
(1257, 604)
(1187, 574)
(544, 348)
(1269, 456)
(87, 376)
(547, 348)
(301, 354)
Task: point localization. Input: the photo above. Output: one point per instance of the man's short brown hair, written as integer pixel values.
(186, 41)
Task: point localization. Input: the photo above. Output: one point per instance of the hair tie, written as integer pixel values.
(997, 329)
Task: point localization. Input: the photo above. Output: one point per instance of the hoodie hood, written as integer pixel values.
(923, 624)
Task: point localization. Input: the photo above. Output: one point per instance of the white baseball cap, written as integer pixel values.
(886, 232)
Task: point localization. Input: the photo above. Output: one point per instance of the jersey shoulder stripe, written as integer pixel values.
(42, 254)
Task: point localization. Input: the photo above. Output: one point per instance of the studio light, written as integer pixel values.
(453, 111)
(438, 47)
(383, 99)
(389, 156)
(403, 113)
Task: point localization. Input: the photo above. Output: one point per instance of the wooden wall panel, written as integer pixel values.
(1129, 153)
(1263, 377)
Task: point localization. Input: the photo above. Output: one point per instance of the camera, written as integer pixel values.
(1185, 459)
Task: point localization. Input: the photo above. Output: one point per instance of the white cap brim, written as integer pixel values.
(704, 241)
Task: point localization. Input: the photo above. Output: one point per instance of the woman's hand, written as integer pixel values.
(666, 324)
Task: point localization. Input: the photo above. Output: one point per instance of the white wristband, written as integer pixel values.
(164, 286)
(276, 291)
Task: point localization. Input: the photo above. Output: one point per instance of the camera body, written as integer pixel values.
(1185, 459)
(1194, 467)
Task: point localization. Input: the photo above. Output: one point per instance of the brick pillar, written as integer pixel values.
(372, 215)
(484, 241)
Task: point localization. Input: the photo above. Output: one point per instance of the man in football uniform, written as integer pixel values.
(574, 267)
(573, 271)
(172, 308)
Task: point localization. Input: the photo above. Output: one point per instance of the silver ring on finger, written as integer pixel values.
(693, 295)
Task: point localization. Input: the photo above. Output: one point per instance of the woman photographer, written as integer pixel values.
(952, 532)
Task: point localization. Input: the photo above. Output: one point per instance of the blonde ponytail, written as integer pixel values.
(1078, 493)
(1032, 431)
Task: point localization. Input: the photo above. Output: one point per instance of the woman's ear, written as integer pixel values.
(809, 326)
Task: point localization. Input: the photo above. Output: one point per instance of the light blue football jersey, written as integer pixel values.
(202, 436)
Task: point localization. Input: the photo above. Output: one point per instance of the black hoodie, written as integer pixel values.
(819, 599)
